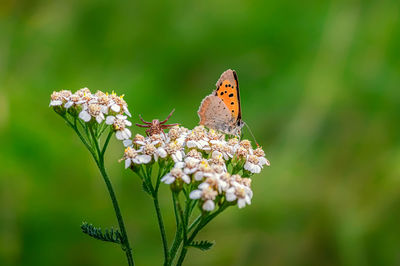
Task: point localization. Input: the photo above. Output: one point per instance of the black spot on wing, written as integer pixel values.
(232, 103)
(231, 95)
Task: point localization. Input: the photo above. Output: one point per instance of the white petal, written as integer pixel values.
(144, 158)
(178, 155)
(247, 200)
(99, 118)
(198, 176)
(230, 196)
(127, 142)
(127, 111)
(110, 120)
(179, 165)
(68, 104)
(216, 154)
(85, 116)
(115, 108)
(104, 109)
(121, 117)
(127, 133)
(128, 123)
(191, 144)
(161, 152)
(248, 166)
(55, 103)
(241, 203)
(189, 171)
(256, 169)
(208, 205)
(195, 194)
(119, 135)
(202, 143)
(204, 185)
(168, 179)
(186, 179)
(128, 163)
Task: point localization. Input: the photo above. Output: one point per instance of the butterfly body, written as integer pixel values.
(221, 110)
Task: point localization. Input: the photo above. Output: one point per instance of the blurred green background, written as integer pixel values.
(320, 89)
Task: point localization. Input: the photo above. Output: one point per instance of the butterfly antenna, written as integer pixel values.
(251, 133)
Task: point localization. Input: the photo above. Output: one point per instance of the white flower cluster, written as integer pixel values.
(99, 106)
(204, 158)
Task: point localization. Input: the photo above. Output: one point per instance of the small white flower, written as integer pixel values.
(175, 150)
(204, 171)
(239, 191)
(191, 165)
(208, 205)
(143, 159)
(119, 123)
(261, 157)
(85, 116)
(92, 110)
(205, 193)
(175, 174)
(252, 164)
(57, 98)
(160, 152)
(73, 100)
(117, 104)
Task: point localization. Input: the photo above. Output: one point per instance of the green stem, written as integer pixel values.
(178, 233)
(154, 192)
(203, 222)
(162, 229)
(106, 143)
(96, 144)
(182, 256)
(125, 241)
(195, 222)
(99, 159)
(75, 128)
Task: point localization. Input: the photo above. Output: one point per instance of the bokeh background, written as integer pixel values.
(320, 89)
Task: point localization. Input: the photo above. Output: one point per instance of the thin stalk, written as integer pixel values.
(178, 233)
(100, 163)
(106, 143)
(74, 127)
(194, 223)
(204, 221)
(162, 229)
(154, 191)
(125, 241)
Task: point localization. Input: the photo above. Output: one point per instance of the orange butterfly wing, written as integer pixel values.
(228, 91)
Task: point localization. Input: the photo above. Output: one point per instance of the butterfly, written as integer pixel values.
(221, 110)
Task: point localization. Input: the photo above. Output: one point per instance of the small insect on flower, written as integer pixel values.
(156, 127)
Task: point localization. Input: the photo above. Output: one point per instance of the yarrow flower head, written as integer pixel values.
(97, 107)
(213, 169)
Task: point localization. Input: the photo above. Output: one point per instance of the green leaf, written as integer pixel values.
(202, 245)
(110, 235)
